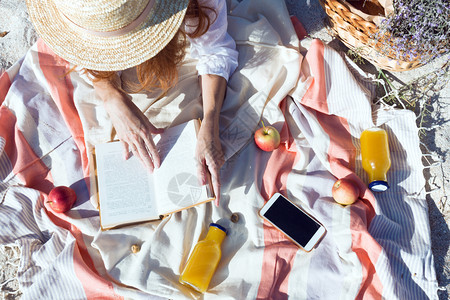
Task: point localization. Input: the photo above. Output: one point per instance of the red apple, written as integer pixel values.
(345, 191)
(267, 138)
(61, 198)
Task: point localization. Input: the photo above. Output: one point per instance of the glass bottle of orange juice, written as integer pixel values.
(375, 157)
(203, 261)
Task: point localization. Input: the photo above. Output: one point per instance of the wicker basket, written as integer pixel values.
(355, 33)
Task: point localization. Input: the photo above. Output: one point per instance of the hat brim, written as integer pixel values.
(100, 53)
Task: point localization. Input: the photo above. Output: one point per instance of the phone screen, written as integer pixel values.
(290, 219)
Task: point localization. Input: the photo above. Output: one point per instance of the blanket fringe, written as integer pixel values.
(9, 264)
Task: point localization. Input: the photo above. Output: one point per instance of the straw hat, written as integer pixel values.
(107, 35)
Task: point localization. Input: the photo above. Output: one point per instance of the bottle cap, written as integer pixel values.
(218, 226)
(378, 186)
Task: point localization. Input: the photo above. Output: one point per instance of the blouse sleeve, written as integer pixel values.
(216, 49)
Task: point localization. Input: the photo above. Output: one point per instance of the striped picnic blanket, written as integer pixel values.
(377, 248)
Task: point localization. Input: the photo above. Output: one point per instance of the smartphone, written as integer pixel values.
(294, 222)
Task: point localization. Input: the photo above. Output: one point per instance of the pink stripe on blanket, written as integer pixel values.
(316, 95)
(56, 71)
(31, 172)
(27, 167)
(341, 156)
(5, 83)
(94, 285)
(277, 260)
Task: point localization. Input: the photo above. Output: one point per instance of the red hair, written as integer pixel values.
(161, 71)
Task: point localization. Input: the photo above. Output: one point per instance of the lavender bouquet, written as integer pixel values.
(416, 30)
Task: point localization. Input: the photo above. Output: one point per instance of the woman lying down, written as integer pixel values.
(103, 38)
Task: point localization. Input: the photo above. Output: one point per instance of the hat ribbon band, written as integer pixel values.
(121, 31)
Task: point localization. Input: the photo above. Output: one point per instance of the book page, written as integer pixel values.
(126, 192)
(176, 180)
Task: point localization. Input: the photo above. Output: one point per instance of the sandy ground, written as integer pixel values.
(20, 35)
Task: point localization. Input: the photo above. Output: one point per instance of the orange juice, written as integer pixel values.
(375, 157)
(204, 259)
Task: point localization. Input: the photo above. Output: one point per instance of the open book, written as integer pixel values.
(129, 193)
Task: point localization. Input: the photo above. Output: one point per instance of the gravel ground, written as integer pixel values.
(20, 35)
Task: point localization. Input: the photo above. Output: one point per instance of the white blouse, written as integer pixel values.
(216, 49)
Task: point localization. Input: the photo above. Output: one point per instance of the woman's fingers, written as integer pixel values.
(210, 157)
(126, 151)
(201, 172)
(151, 152)
(144, 155)
(209, 164)
(143, 148)
(150, 144)
(138, 140)
(215, 178)
(131, 125)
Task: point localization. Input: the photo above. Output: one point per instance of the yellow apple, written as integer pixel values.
(345, 191)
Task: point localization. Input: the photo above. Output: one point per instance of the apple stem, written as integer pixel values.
(263, 125)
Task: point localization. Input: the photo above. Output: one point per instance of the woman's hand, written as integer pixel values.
(132, 127)
(209, 155)
(209, 150)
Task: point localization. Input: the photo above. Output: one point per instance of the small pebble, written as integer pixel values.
(234, 218)
(135, 248)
